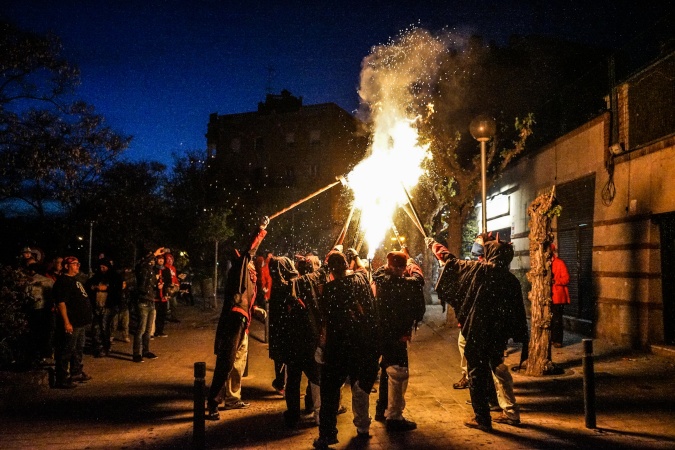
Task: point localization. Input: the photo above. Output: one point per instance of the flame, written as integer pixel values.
(396, 79)
(377, 182)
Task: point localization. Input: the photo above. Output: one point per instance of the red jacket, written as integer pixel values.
(561, 278)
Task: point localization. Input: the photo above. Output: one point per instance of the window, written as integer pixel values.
(314, 137)
(235, 145)
(313, 170)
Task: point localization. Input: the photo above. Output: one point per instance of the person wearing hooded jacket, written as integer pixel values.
(399, 302)
(349, 347)
(491, 310)
(294, 334)
(231, 342)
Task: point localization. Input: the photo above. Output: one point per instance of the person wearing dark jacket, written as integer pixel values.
(294, 334)
(231, 343)
(74, 315)
(162, 287)
(349, 346)
(106, 292)
(399, 302)
(146, 283)
(488, 301)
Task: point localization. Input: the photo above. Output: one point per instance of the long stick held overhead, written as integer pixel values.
(343, 233)
(413, 213)
(303, 200)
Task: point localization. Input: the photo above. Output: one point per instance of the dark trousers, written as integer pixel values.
(481, 384)
(97, 327)
(69, 350)
(293, 377)
(279, 375)
(394, 353)
(160, 319)
(332, 379)
(234, 333)
(557, 323)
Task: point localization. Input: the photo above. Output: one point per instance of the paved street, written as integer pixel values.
(149, 405)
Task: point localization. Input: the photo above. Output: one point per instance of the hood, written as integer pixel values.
(498, 253)
(282, 269)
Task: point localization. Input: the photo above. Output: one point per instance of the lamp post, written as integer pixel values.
(482, 129)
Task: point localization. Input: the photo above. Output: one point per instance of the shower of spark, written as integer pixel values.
(395, 81)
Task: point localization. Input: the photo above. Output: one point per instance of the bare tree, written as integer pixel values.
(541, 212)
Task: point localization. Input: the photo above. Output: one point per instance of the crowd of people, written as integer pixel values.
(67, 306)
(332, 319)
(340, 324)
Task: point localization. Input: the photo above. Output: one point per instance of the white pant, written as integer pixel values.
(231, 391)
(398, 384)
(461, 343)
(316, 399)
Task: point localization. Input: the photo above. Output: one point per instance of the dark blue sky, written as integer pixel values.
(157, 69)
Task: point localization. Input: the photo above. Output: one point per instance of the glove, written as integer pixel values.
(351, 254)
(338, 248)
(264, 222)
(429, 241)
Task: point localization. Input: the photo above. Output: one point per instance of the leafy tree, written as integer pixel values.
(197, 223)
(51, 146)
(127, 206)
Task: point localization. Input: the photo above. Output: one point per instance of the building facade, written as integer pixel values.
(613, 177)
(279, 154)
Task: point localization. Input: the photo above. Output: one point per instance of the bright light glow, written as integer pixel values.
(395, 160)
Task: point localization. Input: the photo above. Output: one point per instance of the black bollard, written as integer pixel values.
(198, 427)
(589, 383)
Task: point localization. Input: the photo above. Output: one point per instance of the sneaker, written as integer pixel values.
(400, 425)
(463, 383)
(473, 423)
(363, 435)
(81, 377)
(323, 442)
(212, 413)
(149, 355)
(279, 387)
(138, 359)
(65, 385)
(507, 420)
(236, 405)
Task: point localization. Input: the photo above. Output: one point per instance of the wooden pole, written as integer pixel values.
(303, 200)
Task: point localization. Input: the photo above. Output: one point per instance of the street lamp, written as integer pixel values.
(482, 129)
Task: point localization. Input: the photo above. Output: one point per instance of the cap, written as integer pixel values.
(70, 260)
(397, 259)
(26, 250)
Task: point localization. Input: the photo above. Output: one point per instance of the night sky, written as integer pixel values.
(157, 69)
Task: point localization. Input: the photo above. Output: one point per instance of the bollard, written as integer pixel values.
(589, 383)
(198, 427)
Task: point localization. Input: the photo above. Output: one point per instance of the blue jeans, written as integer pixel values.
(68, 351)
(146, 316)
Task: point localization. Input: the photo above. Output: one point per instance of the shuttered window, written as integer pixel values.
(575, 243)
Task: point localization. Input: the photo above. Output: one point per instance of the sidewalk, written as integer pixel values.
(149, 405)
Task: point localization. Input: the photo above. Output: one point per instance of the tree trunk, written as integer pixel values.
(540, 211)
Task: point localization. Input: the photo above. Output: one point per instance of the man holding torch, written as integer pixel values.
(231, 343)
